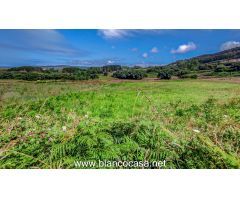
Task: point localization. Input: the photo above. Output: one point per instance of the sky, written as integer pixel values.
(82, 47)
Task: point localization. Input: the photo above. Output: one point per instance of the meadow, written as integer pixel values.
(51, 124)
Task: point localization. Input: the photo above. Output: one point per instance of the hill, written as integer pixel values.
(229, 55)
(223, 63)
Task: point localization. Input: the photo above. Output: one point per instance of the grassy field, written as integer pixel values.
(188, 123)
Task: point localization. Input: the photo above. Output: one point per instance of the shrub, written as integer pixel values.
(220, 68)
(105, 73)
(94, 76)
(164, 75)
(129, 74)
(204, 67)
(34, 76)
(111, 68)
(26, 69)
(70, 70)
(182, 73)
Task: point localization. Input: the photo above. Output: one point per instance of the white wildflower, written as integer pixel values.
(64, 128)
(38, 116)
(196, 130)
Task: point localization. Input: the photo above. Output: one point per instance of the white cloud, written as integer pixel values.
(43, 40)
(229, 45)
(37, 47)
(154, 50)
(184, 48)
(145, 55)
(110, 62)
(96, 62)
(113, 33)
(121, 33)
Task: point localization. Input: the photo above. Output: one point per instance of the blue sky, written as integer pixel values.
(110, 46)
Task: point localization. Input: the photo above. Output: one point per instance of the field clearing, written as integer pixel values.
(188, 123)
(13, 90)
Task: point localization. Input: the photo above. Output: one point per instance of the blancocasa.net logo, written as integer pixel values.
(121, 164)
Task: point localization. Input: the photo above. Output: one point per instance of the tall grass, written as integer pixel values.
(190, 124)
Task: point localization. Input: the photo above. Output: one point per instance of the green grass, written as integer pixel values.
(188, 123)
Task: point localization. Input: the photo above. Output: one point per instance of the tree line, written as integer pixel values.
(181, 69)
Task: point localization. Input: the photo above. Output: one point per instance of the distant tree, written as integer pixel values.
(137, 67)
(129, 74)
(26, 69)
(111, 68)
(71, 70)
(154, 69)
(204, 67)
(105, 73)
(220, 68)
(181, 73)
(235, 67)
(93, 76)
(164, 75)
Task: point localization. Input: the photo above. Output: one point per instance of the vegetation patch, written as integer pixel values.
(177, 121)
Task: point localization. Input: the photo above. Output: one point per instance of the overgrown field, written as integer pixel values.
(188, 123)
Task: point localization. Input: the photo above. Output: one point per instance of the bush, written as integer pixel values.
(154, 69)
(182, 73)
(111, 68)
(34, 76)
(105, 73)
(204, 67)
(220, 68)
(164, 75)
(71, 70)
(235, 67)
(93, 76)
(129, 74)
(26, 69)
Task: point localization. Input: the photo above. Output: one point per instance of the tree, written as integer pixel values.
(220, 68)
(164, 75)
(129, 74)
(105, 73)
(71, 70)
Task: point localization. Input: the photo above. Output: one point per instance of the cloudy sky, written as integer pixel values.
(108, 46)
